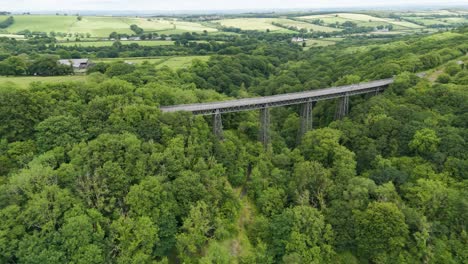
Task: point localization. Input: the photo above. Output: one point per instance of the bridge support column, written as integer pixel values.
(218, 125)
(377, 91)
(306, 119)
(264, 135)
(342, 107)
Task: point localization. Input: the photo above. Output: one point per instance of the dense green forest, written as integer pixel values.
(93, 172)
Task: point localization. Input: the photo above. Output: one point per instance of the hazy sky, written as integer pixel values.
(52, 5)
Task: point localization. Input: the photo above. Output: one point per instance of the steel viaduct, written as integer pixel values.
(307, 99)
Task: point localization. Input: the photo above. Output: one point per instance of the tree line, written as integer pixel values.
(40, 66)
(7, 22)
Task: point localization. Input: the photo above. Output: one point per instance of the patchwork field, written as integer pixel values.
(445, 21)
(261, 24)
(102, 26)
(427, 21)
(363, 20)
(435, 12)
(150, 43)
(455, 20)
(309, 26)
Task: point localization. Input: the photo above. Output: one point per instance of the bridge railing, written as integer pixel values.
(278, 100)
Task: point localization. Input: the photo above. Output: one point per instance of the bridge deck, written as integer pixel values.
(278, 100)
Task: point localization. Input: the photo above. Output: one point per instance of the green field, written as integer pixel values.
(427, 21)
(363, 20)
(455, 20)
(180, 62)
(137, 60)
(311, 43)
(261, 24)
(434, 12)
(26, 80)
(101, 26)
(176, 62)
(19, 37)
(447, 21)
(308, 26)
(151, 43)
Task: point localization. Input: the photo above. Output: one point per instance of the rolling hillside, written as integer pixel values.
(101, 26)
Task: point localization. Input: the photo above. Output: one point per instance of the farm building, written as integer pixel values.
(77, 64)
(298, 39)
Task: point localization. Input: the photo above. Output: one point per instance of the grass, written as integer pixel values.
(174, 63)
(19, 37)
(387, 46)
(239, 245)
(432, 13)
(455, 20)
(180, 62)
(109, 43)
(102, 26)
(137, 60)
(427, 21)
(24, 81)
(309, 26)
(363, 20)
(311, 43)
(433, 74)
(261, 24)
(41, 23)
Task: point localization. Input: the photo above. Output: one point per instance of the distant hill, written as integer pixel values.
(100, 26)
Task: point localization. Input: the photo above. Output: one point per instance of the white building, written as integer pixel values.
(298, 39)
(77, 64)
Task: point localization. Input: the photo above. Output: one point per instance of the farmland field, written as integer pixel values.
(362, 20)
(180, 62)
(12, 36)
(109, 43)
(101, 26)
(261, 24)
(434, 12)
(309, 26)
(427, 21)
(310, 43)
(136, 60)
(455, 20)
(176, 62)
(24, 81)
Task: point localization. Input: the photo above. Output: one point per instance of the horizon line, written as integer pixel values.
(385, 7)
